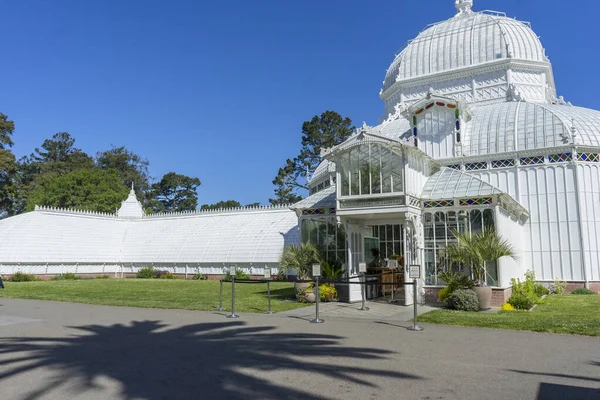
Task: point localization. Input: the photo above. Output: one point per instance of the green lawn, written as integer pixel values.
(157, 293)
(572, 314)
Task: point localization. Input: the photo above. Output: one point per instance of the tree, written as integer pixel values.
(299, 258)
(477, 249)
(84, 189)
(174, 192)
(324, 131)
(56, 157)
(220, 205)
(131, 169)
(7, 165)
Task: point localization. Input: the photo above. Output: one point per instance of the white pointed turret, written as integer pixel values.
(131, 208)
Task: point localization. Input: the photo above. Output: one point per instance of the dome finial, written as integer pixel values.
(463, 6)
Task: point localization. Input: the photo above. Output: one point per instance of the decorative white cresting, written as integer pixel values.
(463, 6)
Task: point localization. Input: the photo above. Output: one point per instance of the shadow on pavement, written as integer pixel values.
(553, 391)
(206, 360)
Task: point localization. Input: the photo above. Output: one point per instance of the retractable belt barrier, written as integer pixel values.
(241, 281)
(347, 281)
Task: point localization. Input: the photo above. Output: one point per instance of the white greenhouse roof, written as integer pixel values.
(449, 183)
(463, 41)
(324, 198)
(255, 235)
(515, 126)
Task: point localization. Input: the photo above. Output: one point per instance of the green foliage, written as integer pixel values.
(145, 273)
(69, 276)
(8, 166)
(199, 276)
(331, 270)
(521, 301)
(444, 294)
(22, 277)
(476, 249)
(84, 189)
(103, 277)
(583, 291)
(174, 192)
(465, 300)
(239, 274)
(541, 290)
(558, 287)
(558, 314)
(130, 167)
(525, 288)
(221, 205)
(327, 292)
(299, 258)
(162, 274)
(326, 130)
(156, 293)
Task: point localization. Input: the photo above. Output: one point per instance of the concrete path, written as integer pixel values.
(63, 351)
(377, 311)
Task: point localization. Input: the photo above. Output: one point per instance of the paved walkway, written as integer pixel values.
(52, 350)
(377, 311)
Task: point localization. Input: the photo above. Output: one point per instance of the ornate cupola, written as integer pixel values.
(475, 57)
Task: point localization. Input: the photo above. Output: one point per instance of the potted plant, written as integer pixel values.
(299, 258)
(476, 250)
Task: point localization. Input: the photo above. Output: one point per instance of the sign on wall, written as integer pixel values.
(414, 271)
(362, 267)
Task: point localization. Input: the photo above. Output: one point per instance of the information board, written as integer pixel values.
(267, 273)
(414, 271)
(362, 267)
(232, 269)
(316, 270)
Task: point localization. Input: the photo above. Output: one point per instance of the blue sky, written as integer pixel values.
(219, 89)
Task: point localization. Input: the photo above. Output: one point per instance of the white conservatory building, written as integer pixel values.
(51, 241)
(475, 136)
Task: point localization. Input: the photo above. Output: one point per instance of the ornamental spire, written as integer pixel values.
(463, 6)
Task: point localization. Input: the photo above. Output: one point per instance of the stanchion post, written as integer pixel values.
(317, 273)
(415, 273)
(268, 276)
(220, 308)
(362, 268)
(232, 270)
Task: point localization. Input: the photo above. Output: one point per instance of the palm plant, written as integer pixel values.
(299, 258)
(476, 250)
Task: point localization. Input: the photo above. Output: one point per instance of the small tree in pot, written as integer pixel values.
(299, 258)
(477, 250)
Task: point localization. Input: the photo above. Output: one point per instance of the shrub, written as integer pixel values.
(522, 302)
(444, 294)
(199, 277)
(327, 292)
(541, 290)
(526, 288)
(21, 277)
(103, 277)
(165, 275)
(582, 290)
(558, 287)
(239, 274)
(145, 273)
(331, 270)
(465, 300)
(69, 276)
(507, 307)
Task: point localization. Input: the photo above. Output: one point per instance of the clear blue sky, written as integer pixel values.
(219, 89)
